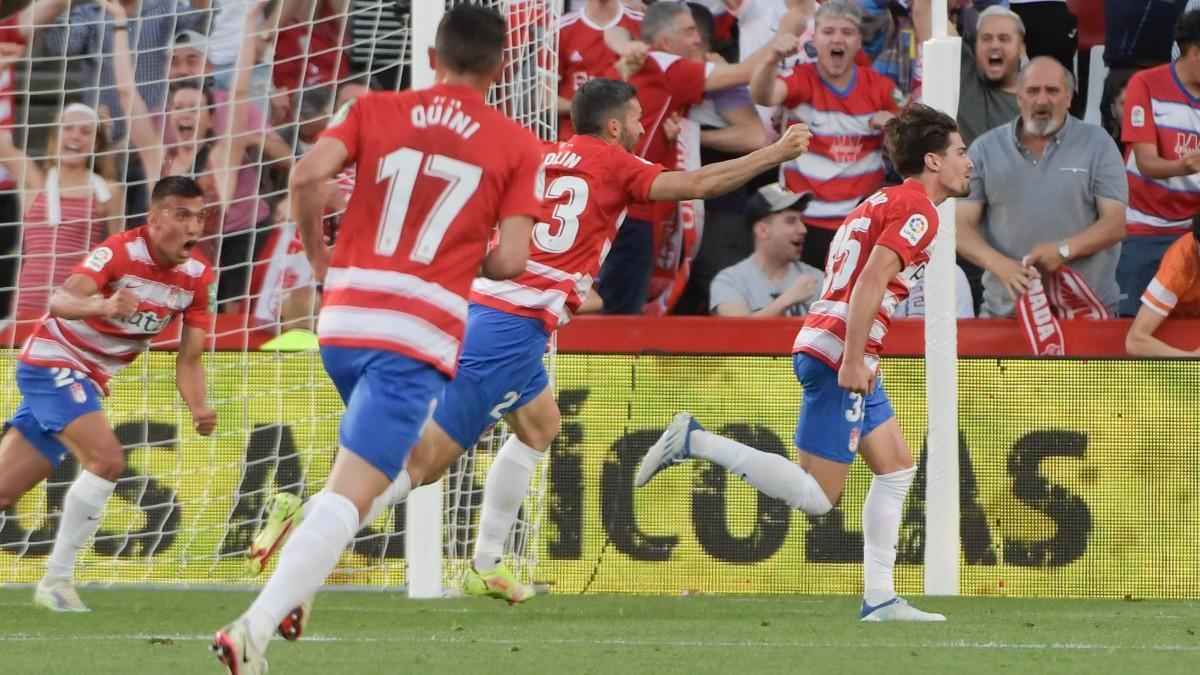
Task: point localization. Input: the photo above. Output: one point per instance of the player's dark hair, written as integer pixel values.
(1187, 31)
(915, 132)
(470, 39)
(597, 101)
(175, 186)
(1196, 227)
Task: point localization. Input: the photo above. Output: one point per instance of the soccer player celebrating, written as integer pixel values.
(590, 182)
(878, 254)
(105, 314)
(447, 169)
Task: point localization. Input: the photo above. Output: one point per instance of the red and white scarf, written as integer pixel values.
(1066, 295)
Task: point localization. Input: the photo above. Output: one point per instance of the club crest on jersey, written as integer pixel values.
(341, 115)
(914, 229)
(98, 259)
(77, 393)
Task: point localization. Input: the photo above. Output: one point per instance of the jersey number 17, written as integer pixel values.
(402, 168)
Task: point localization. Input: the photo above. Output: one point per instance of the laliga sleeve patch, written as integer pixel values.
(1137, 116)
(212, 297)
(98, 259)
(914, 229)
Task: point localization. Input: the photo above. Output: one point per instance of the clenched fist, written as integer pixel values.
(204, 419)
(794, 142)
(121, 304)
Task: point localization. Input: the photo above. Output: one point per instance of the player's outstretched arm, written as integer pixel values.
(507, 260)
(717, 179)
(1140, 340)
(305, 184)
(882, 266)
(189, 378)
(79, 298)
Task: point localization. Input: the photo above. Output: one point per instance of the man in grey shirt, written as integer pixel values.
(772, 281)
(1047, 190)
(987, 85)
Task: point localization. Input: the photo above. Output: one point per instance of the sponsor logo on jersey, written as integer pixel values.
(576, 57)
(98, 259)
(78, 393)
(914, 229)
(1137, 116)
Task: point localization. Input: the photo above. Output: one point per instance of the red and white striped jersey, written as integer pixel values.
(589, 186)
(844, 162)
(1159, 110)
(583, 55)
(900, 218)
(102, 347)
(51, 251)
(440, 169)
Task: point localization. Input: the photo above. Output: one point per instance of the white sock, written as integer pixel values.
(507, 482)
(773, 475)
(881, 530)
(80, 520)
(394, 494)
(310, 554)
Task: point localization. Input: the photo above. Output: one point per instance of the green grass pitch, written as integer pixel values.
(166, 631)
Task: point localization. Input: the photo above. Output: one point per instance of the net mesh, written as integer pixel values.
(186, 506)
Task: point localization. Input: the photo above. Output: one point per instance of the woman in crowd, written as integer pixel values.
(69, 207)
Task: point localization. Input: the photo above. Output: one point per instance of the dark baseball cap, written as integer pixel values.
(773, 198)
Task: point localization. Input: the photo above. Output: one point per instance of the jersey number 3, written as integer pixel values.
(402, 168)
(567, 214)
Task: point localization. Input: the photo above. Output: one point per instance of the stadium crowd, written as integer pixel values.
(1064, 213)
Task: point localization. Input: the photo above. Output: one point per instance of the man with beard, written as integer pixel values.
(772, 281)
(1047, 190)
(987, 85)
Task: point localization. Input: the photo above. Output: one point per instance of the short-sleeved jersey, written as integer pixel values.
(900, 218)
(666, 85)
(1175, 290)
(844, 162)
(102, 346)
(1160, 111)
(583, 55)
(440, 169)
(589, 186)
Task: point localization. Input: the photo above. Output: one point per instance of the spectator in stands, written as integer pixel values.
(772, 281)
(14, 36)
(582, 51)
(988, 72)
(310, 48)
(1174, 292)
(1053, 30)
(729, 127)
(69, 208)
(1047, 190)
(83, 36)
(1162, 128)
(846, 105)
(201, 150)
(1115, 88)
(314, 108)
(668, 84)
(758, 22)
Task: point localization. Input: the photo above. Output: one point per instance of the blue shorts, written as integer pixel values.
(832, 420)
(51, 399)
(387, 397)
(499, 371)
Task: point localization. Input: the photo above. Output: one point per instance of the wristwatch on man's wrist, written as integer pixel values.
(1064, 251)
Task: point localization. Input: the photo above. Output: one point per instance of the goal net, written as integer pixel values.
(187, 506)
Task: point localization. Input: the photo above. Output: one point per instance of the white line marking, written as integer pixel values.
(436, 639)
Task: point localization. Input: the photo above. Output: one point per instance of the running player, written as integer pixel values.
(590, 182)
(105, 314)
(445, 169)
(879, 253)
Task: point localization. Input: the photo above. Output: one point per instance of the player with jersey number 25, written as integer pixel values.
(106, 313)
(877, 255)
(445, 168)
